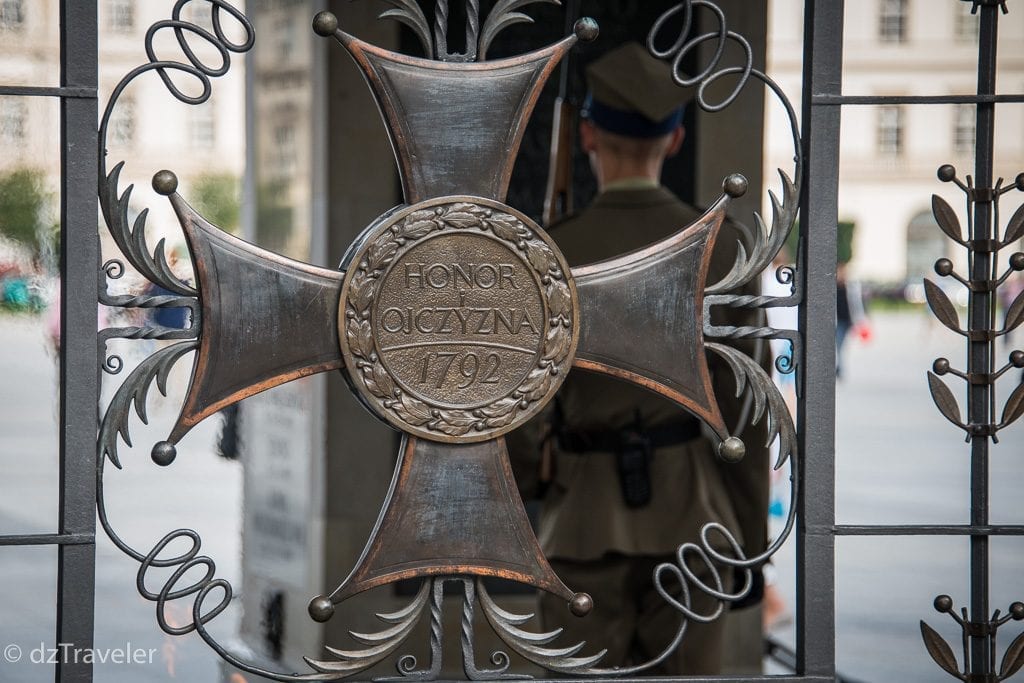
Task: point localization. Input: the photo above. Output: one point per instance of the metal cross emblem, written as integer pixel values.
(453, 317)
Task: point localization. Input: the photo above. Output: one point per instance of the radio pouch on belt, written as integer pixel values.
(633, 458)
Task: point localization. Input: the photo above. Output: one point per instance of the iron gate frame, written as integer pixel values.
(79, 371)
(816, 532)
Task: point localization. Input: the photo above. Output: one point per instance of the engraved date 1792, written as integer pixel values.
(467, 368)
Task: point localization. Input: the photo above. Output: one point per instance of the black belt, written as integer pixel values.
(611, 440)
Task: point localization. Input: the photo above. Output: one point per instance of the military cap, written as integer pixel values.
(632, 93)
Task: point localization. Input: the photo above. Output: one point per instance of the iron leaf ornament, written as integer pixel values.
(983, 244)
(943, 308)
(454, 318)
(941, 652)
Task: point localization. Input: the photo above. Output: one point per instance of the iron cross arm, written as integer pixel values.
(641, 318)
(267, 319)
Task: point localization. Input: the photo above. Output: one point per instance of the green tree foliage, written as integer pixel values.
(274, 215)
(23, 208)
(217, 196)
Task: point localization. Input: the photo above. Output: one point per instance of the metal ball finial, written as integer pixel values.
(1017, 261)
(1019, 182)
(735, 185)
(581, 604)
(163, 453)
(940, 366)
(944, 267)
(321, 608)
(1017, 359)
(943, 604)
(586, 29)
(325, 24)
(1017, 611)
(946, 172)
(165, 182)
(732, 450)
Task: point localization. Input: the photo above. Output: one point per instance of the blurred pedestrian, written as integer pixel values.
(850, 315)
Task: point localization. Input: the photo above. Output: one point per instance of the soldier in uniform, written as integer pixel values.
(625, 475)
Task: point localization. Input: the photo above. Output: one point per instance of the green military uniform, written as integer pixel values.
(595, 541)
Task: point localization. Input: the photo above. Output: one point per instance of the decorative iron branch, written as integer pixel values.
(941, 652)
(381, 645)
(943, 308)
(505, 13)
(133, 391)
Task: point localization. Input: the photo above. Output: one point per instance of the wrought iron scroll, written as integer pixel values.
(153, 265)
(675, 581)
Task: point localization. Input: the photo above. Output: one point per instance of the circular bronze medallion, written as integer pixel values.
(457, 319)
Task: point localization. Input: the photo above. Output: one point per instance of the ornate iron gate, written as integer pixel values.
(566, 302)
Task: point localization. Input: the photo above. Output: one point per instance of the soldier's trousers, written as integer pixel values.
(631, 619)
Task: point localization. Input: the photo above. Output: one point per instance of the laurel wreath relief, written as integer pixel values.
(383, 250)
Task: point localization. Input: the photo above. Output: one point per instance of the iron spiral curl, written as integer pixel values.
(762, 243)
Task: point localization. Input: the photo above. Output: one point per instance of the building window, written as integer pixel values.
(925, 245)
(121, 129)
(892, 21)
(12, 15)
(965, 24)
(284, 36)
(121, 16)
(890, 130)
(964, 129)
(13, 116)
(284, 148)
(202, 131)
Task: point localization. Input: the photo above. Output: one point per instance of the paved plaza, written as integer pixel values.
(898, 461)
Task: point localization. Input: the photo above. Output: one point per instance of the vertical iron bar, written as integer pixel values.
(823, 65)
(79, 381)
(980, 355)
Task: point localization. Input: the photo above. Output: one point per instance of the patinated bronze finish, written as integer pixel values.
(643, 317)
(269, 319)
(457, 319)
(452, 509)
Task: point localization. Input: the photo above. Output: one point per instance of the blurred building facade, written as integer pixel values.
(149, 129)
(889, 154)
